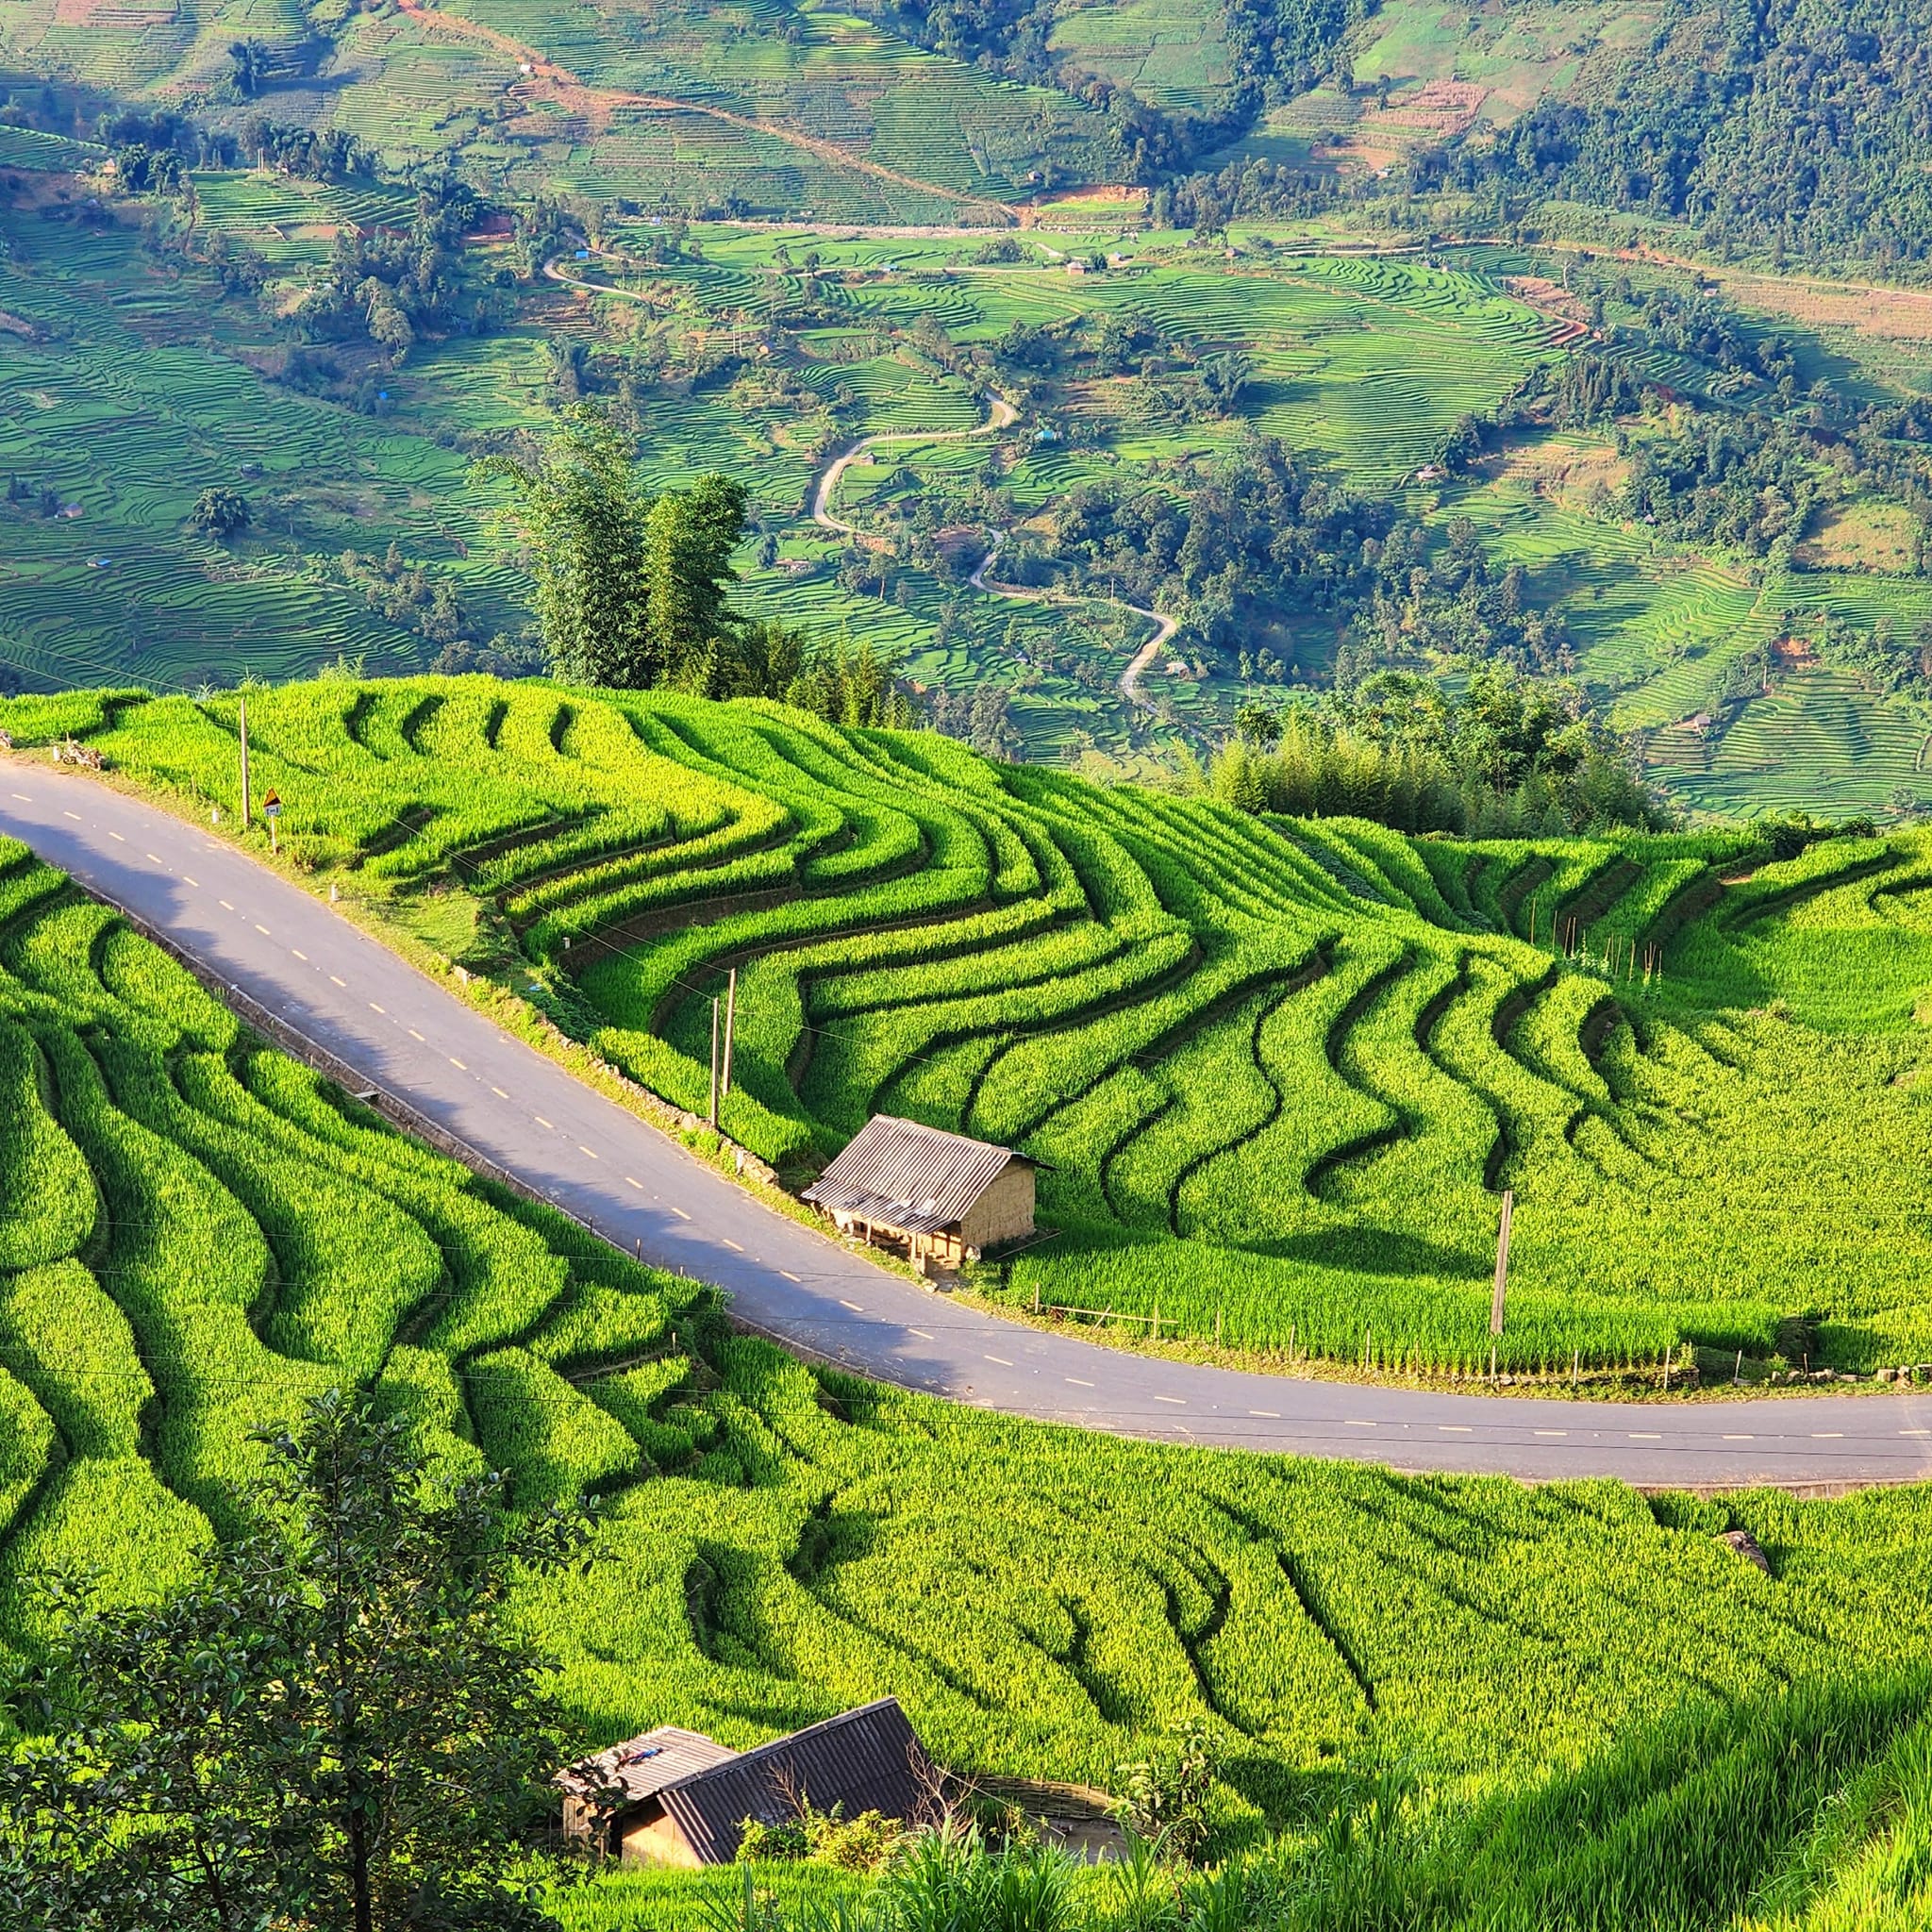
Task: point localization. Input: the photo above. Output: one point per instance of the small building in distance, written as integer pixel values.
(947, 1198)
(674, 1797)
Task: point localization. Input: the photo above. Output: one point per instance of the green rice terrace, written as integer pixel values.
(199, 1233)
(1280, 1071)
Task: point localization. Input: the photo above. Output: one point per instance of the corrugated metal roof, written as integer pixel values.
(868, 1759)
(641, 1767)
(904, 1175)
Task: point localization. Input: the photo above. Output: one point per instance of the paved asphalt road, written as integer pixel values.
(275, 942)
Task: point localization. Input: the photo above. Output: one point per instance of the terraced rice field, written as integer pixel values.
(1281, 1072)
(198, 1234)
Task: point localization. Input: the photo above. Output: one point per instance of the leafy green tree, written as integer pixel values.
(689, 538)
(581, 513)
(631, 588)
(332, 1728)
(220, 513)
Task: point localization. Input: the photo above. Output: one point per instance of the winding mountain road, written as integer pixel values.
(270, 941)
(1000, 416)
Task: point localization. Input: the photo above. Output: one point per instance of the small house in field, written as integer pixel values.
(675, 1797)
(947, 1198)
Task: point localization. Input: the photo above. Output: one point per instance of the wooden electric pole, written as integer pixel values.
(730, 1014)
(244, 703)
(714, 1063)
(1502, 1263)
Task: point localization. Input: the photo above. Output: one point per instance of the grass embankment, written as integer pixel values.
(1281, 1071)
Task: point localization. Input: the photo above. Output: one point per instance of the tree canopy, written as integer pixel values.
(331, 1728)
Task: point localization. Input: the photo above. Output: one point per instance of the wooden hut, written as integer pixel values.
(675, 1797)
(945, 1197)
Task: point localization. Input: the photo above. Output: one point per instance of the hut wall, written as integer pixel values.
(657, 1840)
(1004, 1212)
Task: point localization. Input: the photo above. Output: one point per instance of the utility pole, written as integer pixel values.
(714, 1063)
(244, 703)
(1502, 1263)
(730, 1014)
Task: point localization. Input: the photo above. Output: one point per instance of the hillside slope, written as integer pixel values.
(198, 1233)
(1281, 1071)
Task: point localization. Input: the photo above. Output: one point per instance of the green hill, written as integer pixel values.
(1282, 1069)
(198, 1233)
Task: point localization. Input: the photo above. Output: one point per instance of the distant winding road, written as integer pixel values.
(1001, 414)
(268, 938)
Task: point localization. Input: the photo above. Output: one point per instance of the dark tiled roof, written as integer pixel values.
(641, 1767)
(905, 1176)
(868, 1759)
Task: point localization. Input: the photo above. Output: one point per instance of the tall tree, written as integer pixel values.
(630, 588)
(689, 538)
(582, 514)
(332, 1728)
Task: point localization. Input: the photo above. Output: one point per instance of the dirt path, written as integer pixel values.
(1164, 627)
(1000, 416)
(576, 95)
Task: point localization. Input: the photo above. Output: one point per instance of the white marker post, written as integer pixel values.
(1502, 1263)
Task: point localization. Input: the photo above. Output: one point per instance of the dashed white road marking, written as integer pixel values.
(737, 1247)
(374, 1009)
(1174, 1400)
(680, 1213)
(1000, 1359)
(1273, 1415)
(117, 836)
(156, 858)
(1353, 1423)
(187, 881)
(1643, 1436)
(1456, 1428)
(74, 815)
(589, 1152)
(1741, 1438)
(225, 905)
(337, 980)
(922, 1334)
(1553, 1432)
(263, 931)
(788, 1275)
(502, 1096)
(852, 1306)
(457, 1064)
(1076, 1381)
(22, 797)
(414, 1035)
(630, 1180)
(299, 954)
(1827, 1435)
(542, 1122)
(1915, 1432)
